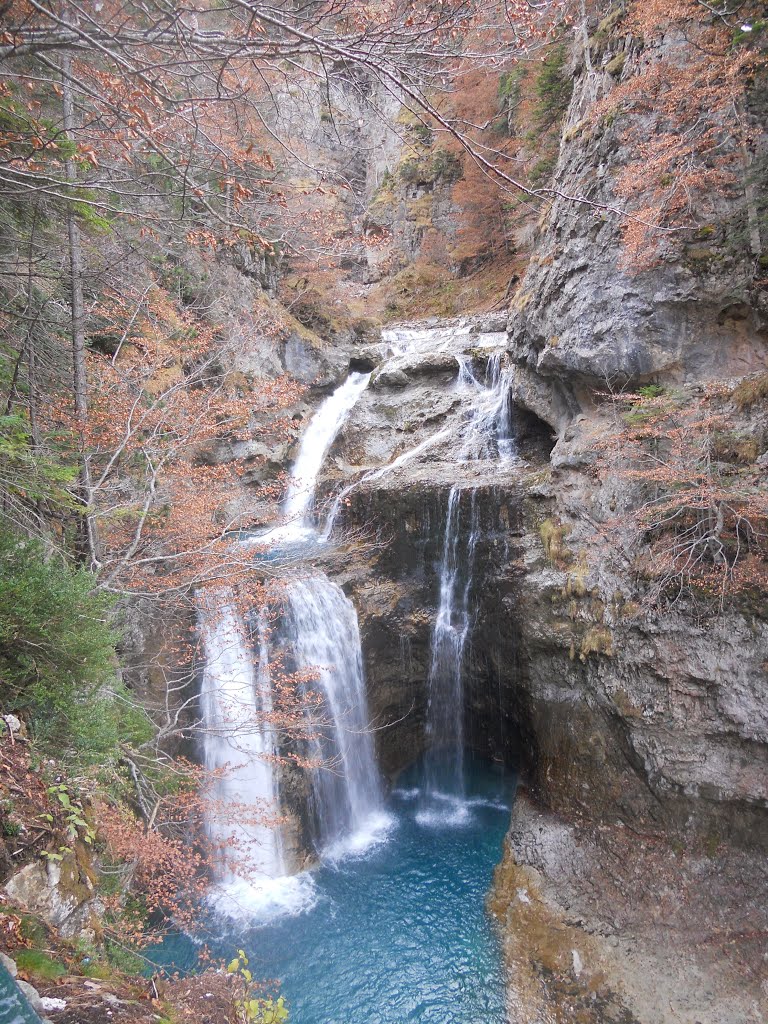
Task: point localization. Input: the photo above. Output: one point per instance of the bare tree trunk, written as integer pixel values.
(88, 538)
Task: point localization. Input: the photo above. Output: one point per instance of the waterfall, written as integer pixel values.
(485, 434)
(377, 474)
(239, 741)
(445, 709)
(488, 433)
(315, 443)
(320, 625)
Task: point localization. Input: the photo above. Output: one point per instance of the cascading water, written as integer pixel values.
(320, 624)
(315, 443)
(444, 766)
(377, 474)
(400, 933)
(488, 433)
(239, 743)
(497, 383)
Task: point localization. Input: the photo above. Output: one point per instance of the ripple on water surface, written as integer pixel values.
(397, 931)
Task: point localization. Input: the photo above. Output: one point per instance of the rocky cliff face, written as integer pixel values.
(661, 713)
(641, 729)
(651, 715)
(628, 720)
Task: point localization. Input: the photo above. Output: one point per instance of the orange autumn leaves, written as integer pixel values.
(685, 122)
(158, 405)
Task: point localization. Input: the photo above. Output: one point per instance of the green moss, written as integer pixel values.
(97, 969)
(542, 169)
(610, 21)
(639, 417)
(553, 88)
(38, 965)
(616, 66)
(123, 960)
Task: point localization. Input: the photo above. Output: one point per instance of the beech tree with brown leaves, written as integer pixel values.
(697, 515)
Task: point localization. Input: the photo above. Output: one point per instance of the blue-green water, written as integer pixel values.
(14, 1008)
(398, 934)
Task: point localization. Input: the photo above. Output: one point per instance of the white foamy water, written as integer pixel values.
(320, 625)
(488, 432)
(445, 706)
(238, 744)
(251, 879)
(255, 900)
(484, 433)
(376, 474)
(372, 832)
(322, 430)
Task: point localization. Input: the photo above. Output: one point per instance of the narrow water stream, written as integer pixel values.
(399, 934)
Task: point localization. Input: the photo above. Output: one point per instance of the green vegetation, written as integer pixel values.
(509, 91)
(255, 1009)
(26, 471)
(57, 654)
(542, 171)
(616, 66)
(652, 390)
(38, 965)
(553, 89)
(122, 959)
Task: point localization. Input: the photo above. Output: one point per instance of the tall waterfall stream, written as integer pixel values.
(390, 927)
(444, 760)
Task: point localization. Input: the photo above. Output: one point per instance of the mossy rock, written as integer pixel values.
(750, 391)
(609, 22)
(553, 536)
(597, 640)
(616, 66)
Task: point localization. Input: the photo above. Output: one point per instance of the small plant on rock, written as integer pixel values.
(253, 1008)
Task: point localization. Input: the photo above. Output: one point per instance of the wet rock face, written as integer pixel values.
(658, 721)
(396, 592)
(653, 717)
